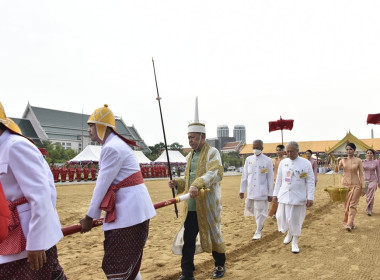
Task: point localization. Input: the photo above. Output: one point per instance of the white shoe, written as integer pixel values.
(288, 238)
(256, 236)
(295, 248)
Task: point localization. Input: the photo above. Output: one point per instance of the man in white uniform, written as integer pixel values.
(121, 192)
(294, 191)
(29, 251)
(258, 178)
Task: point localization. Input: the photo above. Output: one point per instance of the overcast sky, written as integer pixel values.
(317, 62)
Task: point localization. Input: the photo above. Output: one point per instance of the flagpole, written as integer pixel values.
(163, 130)
(282, 138)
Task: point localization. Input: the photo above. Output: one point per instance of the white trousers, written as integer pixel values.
(138, 276)
(257, 208)
(290, 218)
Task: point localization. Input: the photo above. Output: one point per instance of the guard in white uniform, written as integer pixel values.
(29, 252)
(294, 191)
(258, 178)
(120, 192)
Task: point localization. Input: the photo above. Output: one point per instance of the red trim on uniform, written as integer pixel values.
(109, 200)
(15, 242)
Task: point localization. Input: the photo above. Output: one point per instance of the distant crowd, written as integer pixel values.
(71, 172)
(88, 172)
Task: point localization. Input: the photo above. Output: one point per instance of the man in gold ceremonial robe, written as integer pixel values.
(202, 212)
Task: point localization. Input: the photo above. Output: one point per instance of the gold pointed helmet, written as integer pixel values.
(13, 126)
(102, 117)
(9, 123)
(3, 117)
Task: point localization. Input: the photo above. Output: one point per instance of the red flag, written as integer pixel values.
(373, 118)
(280, 125)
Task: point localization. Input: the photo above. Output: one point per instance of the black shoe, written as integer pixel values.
(183, 277)
(218, 272)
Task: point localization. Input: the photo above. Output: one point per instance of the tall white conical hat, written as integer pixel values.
(196, 125)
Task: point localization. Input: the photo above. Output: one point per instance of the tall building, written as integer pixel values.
(223, 131)
(239, 133)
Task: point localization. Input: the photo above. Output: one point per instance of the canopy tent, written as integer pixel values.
(142, 158)
(92, 154)
(174, 157)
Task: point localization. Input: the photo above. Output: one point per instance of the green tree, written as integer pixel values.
(57, 154)
(156, 151)
(232, 159)
(160, 147)
(69, 154)
(43, 144)
(176, 147)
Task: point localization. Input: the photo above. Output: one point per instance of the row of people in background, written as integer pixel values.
(68, 172)
(159, 170)
(154, 170)
(83, 172)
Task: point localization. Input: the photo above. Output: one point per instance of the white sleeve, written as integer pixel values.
(110, 167)
(270, 176)
(278, 179)
(310, 181)
(244, 178)
(36, 189)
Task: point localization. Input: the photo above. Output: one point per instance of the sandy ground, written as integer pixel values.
(327, 251)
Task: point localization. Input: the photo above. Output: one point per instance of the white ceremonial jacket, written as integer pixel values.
(25, 173)
(257, 177)
(295, 182)
(133, 204)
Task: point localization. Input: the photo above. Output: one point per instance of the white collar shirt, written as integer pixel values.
(257, 177)
(25, 173)
(295, 181)
(133, 204)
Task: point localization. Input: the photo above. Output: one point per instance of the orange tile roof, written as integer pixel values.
(230, 145)
(316, 146)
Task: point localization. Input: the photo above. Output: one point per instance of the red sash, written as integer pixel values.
(5, 215)
(15, 242)
(109, 201)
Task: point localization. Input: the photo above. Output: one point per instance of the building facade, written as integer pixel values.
(223, 131)
(239, 133)
(68, 129)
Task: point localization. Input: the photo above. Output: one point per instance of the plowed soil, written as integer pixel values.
(327, 251)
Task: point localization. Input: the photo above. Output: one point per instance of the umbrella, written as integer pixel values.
(373, 118)
(281, 124)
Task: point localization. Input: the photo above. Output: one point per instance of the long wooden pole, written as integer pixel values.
(98, 222)
(282, 138)
(163, 131)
